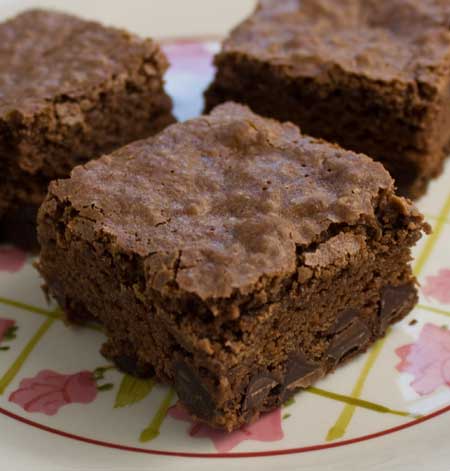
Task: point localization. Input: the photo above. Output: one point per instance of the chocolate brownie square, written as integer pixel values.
(232, 257)
(372, 75)
(70, 90)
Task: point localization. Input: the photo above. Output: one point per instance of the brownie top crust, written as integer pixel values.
(218, 202)
(45, 55)
(401, 41)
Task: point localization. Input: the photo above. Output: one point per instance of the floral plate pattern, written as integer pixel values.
(53, 378)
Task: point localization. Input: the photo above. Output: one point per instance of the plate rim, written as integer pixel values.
(249, 454)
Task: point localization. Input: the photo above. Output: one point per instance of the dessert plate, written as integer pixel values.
(63, 406)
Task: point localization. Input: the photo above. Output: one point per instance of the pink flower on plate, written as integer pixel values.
(266, 429)
(428, 359)
(438, 287)
(12, 259)
(49, 391)
(5, 325)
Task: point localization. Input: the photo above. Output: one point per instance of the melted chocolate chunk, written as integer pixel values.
(258, 390)
(343, 320)
(129, 364)
(393, 298)
(192, 393)
(354, 338)
(300, 373)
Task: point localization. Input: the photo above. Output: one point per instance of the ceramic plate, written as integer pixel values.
(63, 406)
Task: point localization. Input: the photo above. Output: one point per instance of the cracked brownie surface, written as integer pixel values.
(245, 195)
(232, 257)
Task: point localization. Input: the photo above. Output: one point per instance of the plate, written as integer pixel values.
(63, 406)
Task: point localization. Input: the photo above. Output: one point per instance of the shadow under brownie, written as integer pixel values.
(70, 90)
(232, 257)
(372, 75)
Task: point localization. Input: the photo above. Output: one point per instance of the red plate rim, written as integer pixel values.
(254, 454)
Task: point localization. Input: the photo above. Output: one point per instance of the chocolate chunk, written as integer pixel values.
(126, 363)
(393, 298)
(300, 373)
(192, 393)
(354, 338)
(258, 390)
(343, 320)
(129, 364)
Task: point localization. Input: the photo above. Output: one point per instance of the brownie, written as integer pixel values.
(372, 75)
(232, 257)
(70, 90)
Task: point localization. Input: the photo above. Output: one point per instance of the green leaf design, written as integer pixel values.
(105, 387)
(133, 390)
(99, 373)
(11, 333)
(14, 369)
(289, 402)
(153, 429)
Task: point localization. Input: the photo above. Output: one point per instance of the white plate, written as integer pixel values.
(52, 416)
